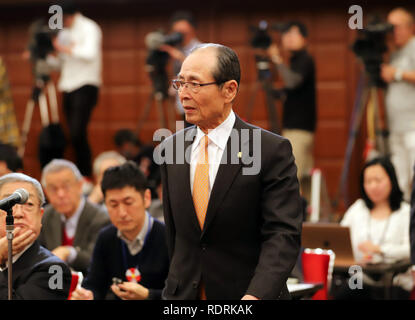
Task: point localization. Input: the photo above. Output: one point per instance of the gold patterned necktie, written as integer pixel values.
(201, 182)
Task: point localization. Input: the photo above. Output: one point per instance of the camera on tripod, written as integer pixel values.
(370, 46)
(262, 40)
(40, 46)
(157, 59)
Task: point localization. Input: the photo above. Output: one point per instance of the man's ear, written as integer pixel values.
(230, 89)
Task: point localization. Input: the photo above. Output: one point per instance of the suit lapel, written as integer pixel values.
(82, 223)
(227, 172)
(55, 230)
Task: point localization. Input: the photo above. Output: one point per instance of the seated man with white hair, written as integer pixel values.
(70, 223)
(36, 272)
(102, 162)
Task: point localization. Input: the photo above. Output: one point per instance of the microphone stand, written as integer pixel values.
(9, 234)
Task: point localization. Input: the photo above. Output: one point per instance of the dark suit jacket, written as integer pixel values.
(32, 275)
(252, 232)
(91, 221)
(108, 262)
(412, 223)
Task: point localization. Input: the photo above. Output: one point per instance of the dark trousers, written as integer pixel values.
(78, 105)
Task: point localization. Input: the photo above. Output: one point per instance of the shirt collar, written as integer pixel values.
(139, 240)
(75, 218)
(220, 135)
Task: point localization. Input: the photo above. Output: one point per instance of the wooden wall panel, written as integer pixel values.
(126, 84)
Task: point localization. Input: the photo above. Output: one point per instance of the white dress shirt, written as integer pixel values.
(218, 139)
(84, 65)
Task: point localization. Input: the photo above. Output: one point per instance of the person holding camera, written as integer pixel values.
(299, 108)
(399, 74)
(130, 259)
(79, 47)
(182, 22)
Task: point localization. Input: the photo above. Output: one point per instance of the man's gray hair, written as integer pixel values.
(20, 177)
(227, 67)
(57, 165)
(107, 155)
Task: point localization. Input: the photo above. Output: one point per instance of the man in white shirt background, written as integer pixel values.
(79, 47)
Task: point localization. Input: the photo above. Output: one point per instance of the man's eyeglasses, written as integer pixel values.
(28, 207)
(194, 86)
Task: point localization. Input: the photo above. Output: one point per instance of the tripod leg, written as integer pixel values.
(360, 104)
(53, 101)
(26, 125)
(272, 111)
(371, 131)
(381, 138)
(145, 113)
(44, 114)
(159, 103)
(250, 105)
(171, 114)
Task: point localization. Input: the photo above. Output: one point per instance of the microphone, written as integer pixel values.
(20, 196)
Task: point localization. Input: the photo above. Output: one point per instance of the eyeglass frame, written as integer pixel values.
(197, 87)
(28, 207)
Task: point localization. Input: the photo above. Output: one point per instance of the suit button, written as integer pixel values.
(195, 285)
(204, 246)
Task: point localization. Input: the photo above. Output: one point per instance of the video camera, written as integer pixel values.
(40, 45)
(261, 38)
(370, 46)
(157, 59)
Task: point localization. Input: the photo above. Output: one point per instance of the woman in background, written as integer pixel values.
(379, 227)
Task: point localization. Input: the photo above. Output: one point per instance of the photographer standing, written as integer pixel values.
(181, 22)
(80, 49)
(400, 96)
(299, 109)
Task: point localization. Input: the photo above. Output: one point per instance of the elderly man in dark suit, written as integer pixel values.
(70, 223)
(36, 272)
(230, 192)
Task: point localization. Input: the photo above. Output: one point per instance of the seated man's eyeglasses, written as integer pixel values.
(194, 86)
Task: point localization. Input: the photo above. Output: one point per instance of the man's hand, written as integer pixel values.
(61, 48)
(82, 294)
(173, 52)
(61, 252)
(274, 53)
(249, 297)
(369, 251)
(130, 291)
(20, 241)
(387, 72)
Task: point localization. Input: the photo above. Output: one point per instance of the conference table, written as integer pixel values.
(303, 290)
(384, 271)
